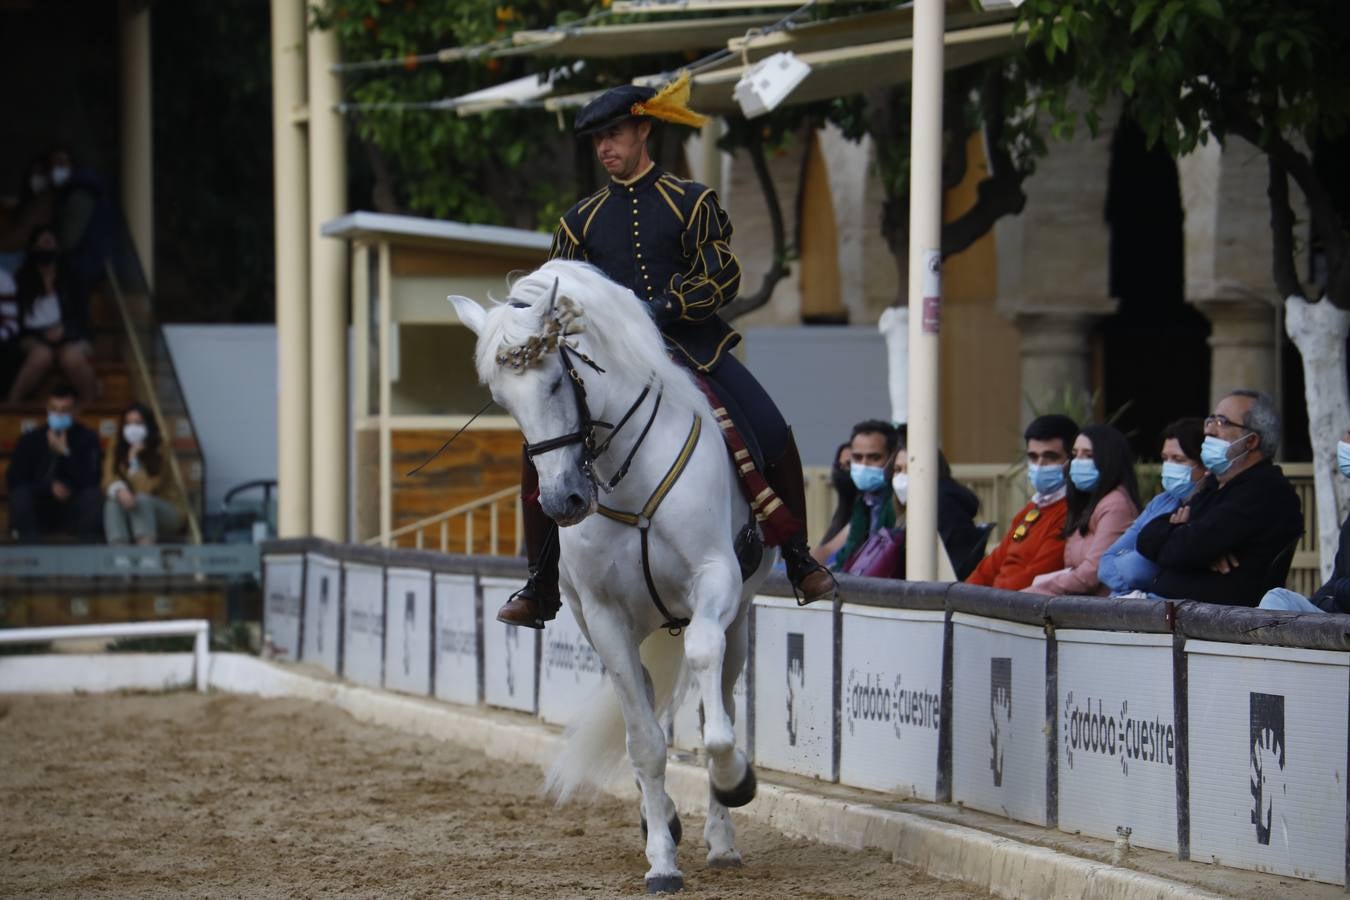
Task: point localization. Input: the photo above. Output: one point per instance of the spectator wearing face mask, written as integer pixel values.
(845, 492)
(871, 446)
(1334, 596)
(957, 508)
(1231, 541)
(1103, 499)
(86, 221)
(33, 209)
(137, 507)
(1123, 568)
(53, 476)
(54, 322)
(1034, 543)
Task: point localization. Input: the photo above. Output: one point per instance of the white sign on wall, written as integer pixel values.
(1267, 745)
(794, 687)
(282, 598)
(686, 728)
(892, 698)
(1117, 736)
(323, 606)
(570, 670)
(456, 639)
(508, 652)
(998, 717)
(363, 623)
(407, 635)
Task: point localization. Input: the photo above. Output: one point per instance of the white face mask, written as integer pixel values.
(60, 175)
(900, 484)
(134, 433)
(37, 183)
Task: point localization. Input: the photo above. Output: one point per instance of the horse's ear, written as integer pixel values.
(470, 313)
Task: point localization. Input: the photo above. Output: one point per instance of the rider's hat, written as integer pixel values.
(636, 101)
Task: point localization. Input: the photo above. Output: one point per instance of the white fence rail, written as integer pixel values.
(198, 629)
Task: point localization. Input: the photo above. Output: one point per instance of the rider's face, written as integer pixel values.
(622, 148)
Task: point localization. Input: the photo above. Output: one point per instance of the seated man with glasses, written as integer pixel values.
(1225, 544)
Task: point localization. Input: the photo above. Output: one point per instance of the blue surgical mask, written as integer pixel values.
(867, 478)
(1176, 479)
(1045, 479)
(1343, 458)
(1084, 475)
(1214, 453)
(58, 421)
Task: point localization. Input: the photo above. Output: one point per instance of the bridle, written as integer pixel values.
(591, 450)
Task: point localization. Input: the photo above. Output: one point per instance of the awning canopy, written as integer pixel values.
(637, 38)
(671, 6)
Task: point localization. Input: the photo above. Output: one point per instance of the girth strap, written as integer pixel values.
(642, 521)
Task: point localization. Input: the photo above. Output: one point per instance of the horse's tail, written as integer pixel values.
(594, 744)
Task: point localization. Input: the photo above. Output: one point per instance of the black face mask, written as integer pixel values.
(42, 257)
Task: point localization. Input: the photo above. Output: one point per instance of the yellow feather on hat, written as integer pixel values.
(671, 104)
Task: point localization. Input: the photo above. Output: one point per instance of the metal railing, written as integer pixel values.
(463, 542)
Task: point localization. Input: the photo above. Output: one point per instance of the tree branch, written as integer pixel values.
(777, 267)
(1282, 232)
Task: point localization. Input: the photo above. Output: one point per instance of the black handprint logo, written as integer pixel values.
(1000, 710)
(1267, 758)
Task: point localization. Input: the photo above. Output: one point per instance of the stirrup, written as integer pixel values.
(526, 594)
(799, 559)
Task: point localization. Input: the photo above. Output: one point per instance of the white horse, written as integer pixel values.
(579, 364)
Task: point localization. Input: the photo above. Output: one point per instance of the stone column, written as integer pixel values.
(1053, 268)
(1228, 259)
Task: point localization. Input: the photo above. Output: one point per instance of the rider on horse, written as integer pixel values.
(667, 240)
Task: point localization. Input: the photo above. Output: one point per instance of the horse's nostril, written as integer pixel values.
(575, 502)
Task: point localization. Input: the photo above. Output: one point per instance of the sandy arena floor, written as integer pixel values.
(224, 796)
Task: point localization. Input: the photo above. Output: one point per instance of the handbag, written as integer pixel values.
(881, 556)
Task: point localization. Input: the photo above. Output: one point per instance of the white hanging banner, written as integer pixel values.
(794, 687)
(456, 639)
(570, 671)
(323, 581)
(509, 652)
(407, 637)
(363, 624)
(283, 596)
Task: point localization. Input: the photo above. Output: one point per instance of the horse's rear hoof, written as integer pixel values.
(665, 884)
(729, 860)
(741, 794)
(676, 828)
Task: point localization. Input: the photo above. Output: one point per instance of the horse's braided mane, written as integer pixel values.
(621, 335)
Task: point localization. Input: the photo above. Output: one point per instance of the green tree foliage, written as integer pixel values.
(1274, 74)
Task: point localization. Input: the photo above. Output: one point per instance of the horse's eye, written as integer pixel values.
(557, 383)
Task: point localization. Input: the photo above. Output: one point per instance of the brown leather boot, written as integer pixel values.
(810, 579)
(538, 601)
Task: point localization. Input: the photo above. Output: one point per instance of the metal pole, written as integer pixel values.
(138, 181)
(925, 289)
(328, 294)
(290, 192)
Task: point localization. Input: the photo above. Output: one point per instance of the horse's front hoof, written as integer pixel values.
(676, 828)
(729, 860)
(665, 884)
(741, 794)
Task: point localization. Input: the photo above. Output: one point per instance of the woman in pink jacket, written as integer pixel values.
(1103, 501)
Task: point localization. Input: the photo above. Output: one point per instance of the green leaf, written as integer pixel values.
(1060, 35)
(1282, 51)
(1211, 8)
(1141, 14)
(1127, 85)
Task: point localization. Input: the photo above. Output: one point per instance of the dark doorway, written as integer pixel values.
(1156, 359)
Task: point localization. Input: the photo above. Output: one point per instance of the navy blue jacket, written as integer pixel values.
(1334, 596)
(668, 241)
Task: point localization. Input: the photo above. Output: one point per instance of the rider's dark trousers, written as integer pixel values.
(747, 401)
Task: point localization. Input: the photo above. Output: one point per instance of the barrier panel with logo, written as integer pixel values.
(408, 630)
(1268, 758)
(687, 726)
(323, 611)
(999, 720)
(363, 624)
(1214, 733)
(283, 594)
(510, 653)
(794, 686)
(457, 644)
(570, 671)
(891, 699)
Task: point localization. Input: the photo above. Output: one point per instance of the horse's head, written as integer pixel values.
(533, 359)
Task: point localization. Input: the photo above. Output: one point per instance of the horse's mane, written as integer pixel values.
(624, 339)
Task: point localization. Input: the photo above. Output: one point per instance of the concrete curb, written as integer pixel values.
(1000, 865)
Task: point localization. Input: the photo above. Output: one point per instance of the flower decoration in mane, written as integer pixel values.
(563, 319)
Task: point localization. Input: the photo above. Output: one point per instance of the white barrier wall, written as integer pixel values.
(570, 671)
(1117, 737)
(1267, 734)
(323, 611)
(891, 699)
(998, 717)
(408, 630)
(686, 729)
(457, 646)
(794, 686)
(509, 652)
(363, 624)
(283, 592)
